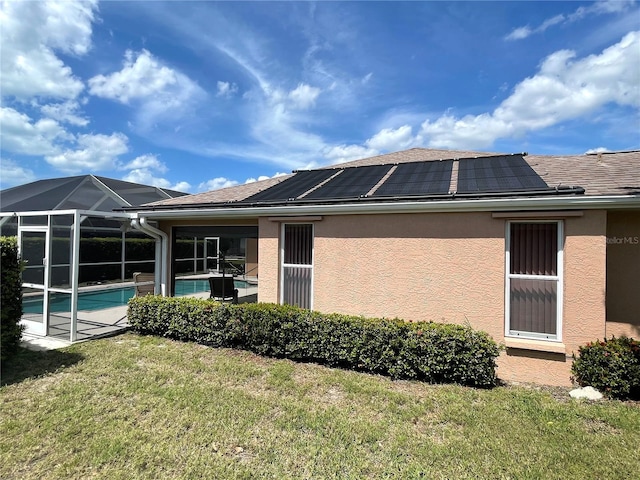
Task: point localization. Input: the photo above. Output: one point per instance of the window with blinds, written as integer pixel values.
(297, 265)
(534, 280)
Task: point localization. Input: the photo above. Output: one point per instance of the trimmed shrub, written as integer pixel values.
(611, 366)
(11, 297)
(432, 352)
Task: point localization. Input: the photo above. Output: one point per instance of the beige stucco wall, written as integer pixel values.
(438, 267)
(268, 260)
(446, 268)
(623, 273)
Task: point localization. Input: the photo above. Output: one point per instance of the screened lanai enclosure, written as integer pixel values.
(79, 254)
(202, 251)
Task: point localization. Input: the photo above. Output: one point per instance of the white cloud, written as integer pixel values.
(601, 7)
(386, 140)
(304, 96)
(140, 77)
(147, 161)
(144, 170)
(264, 177)
(19, 134)
(389, 140)
(29, 65)
(523, 32)
(182, 187)
(92, 153)
(216, 184)
(367, 78)
(276, 128)
(597, 150)
(66, 112)
(563, 89)
(163, 93)
(13, 174)
(346, 153)
(67, 25)
(596, 8)
(146, 177)
(226, 89)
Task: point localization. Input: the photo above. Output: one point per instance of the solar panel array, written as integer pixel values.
(293, 187)
(351, 183)
(499, 174)
(417, 178)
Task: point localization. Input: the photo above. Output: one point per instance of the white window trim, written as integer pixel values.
(296, 265)
(559, 278)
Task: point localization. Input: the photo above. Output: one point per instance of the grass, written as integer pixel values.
(142, 407)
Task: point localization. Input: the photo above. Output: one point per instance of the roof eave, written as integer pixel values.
(436, 206)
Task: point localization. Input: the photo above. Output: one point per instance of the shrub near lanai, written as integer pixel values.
(11, 306)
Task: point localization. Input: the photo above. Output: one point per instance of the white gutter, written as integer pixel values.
(162, 241)
(448, 205)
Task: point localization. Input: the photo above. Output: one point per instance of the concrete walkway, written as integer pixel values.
(42, 343)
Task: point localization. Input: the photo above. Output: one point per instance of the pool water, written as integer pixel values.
(115, 297)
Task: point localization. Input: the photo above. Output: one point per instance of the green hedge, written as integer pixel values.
(432, 352)
(611, 366)
(11, 297)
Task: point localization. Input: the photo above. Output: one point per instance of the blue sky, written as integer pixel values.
(201, 95)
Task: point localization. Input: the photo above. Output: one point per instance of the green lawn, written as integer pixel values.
(143, 407)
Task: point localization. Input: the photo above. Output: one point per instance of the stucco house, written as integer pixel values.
(540, 251)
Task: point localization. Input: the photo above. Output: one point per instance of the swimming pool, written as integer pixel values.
(115, 297)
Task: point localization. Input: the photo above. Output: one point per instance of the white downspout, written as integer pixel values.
(164, 249)
(162, 240)
(136, 224)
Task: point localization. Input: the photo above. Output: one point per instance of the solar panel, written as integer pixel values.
(497, 174)
(292, 187)
(351, 183)
(417, 178)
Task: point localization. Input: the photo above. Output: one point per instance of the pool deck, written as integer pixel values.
(100, 323)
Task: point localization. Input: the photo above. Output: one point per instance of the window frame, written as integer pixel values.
(284, 265)
(558, 278)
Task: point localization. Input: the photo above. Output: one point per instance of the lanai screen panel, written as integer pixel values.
(351, 183)
(417, 178)
(86, 197)
(292, 187)
(497, 174)
(133, 193)
(39, 195)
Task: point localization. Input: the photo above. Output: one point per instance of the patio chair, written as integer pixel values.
(218, 285)
(144, 283)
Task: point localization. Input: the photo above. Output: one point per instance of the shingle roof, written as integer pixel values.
(229, 194)
(614, 173)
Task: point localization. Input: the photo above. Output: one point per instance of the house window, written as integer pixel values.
(534, 280)
(297, 265)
